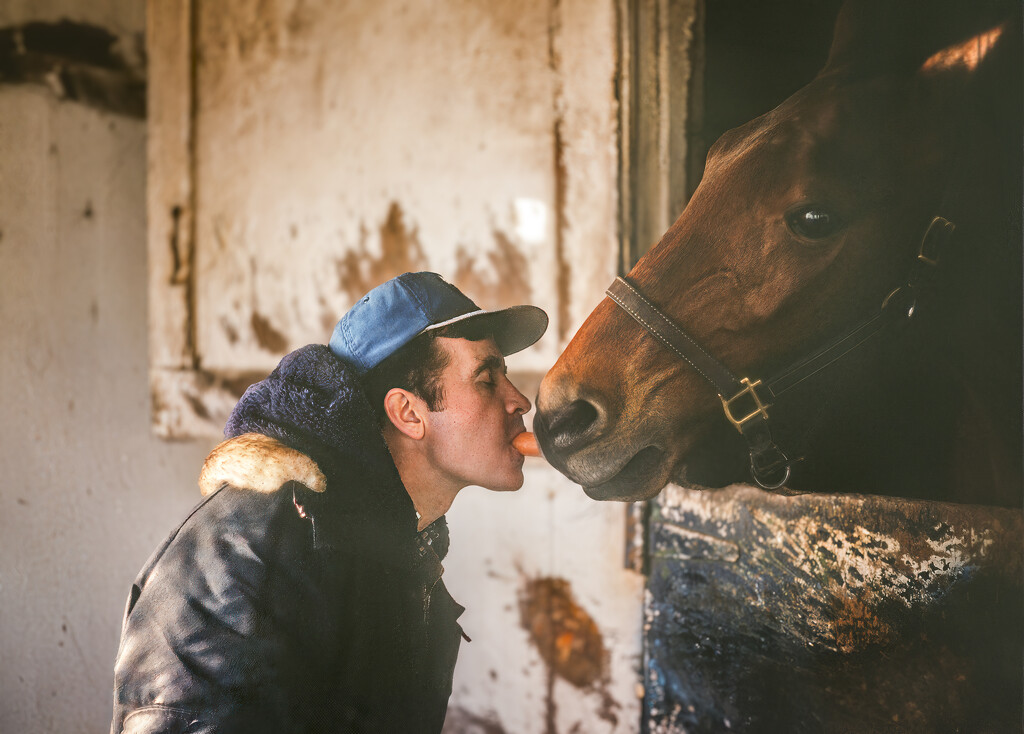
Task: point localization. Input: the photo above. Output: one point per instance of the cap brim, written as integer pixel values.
(514, 328)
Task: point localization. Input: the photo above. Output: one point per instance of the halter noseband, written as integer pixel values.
(747, 408)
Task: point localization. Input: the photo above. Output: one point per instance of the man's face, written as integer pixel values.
(470, 439)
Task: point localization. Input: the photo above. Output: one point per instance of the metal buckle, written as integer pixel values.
(760, 409)
(937, 234)
(902, 300)
(763, 482)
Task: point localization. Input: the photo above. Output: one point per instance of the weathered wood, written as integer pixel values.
(179, 407)
(814, 613)
(660, 58)
(169, 184)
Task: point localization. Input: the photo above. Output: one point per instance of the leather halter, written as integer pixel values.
(745, 401)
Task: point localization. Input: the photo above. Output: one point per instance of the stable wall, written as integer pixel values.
(88, 492)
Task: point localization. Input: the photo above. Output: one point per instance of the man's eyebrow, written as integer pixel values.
(489, 364)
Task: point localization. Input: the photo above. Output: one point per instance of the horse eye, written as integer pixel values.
(813, 224)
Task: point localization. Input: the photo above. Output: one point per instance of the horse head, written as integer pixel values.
(805, 220)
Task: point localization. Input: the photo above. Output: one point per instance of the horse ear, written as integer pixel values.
(884, 36)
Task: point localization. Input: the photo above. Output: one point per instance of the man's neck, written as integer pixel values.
(431, 493)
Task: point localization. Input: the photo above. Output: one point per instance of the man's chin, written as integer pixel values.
(511, 484)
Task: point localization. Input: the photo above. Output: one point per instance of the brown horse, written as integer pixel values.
(805, 220)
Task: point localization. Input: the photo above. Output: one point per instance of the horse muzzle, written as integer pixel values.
(575, 438)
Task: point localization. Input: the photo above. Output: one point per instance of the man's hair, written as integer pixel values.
(418, 366)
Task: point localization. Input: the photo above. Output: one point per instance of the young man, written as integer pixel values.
(304, 594)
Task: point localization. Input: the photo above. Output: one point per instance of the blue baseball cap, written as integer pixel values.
(392, 314)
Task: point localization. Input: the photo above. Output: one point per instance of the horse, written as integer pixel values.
(862, 242)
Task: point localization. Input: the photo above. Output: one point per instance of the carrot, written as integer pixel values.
(526, 444)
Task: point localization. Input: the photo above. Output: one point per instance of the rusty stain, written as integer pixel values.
(563, 276)
(854, 624)
(197, 406)
(569, 642)
(267, 336)
(229, 330)
(181, 266)
(400, 252)
(301, 20)
(511, 271)
(565, 635)
(608, 705)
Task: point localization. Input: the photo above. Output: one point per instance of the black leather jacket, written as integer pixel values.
(298, 596)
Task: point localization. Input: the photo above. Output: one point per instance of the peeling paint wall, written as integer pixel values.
(305, 151)
(87, 492)
(817, 612)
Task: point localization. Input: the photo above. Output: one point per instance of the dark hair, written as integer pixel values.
(418, 366)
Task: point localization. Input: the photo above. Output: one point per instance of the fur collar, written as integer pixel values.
(260, 463)
(314, 404)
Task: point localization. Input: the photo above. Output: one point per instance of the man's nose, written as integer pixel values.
(518, 403)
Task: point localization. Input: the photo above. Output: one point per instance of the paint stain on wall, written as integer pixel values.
(400, 252)
(267, 336)
(568, 641)
(508, 283)
(566, 637)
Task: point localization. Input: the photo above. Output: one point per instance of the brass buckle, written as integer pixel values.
(750, 388)
(935, 237)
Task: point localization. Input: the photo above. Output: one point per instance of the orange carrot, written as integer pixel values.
(526, 444)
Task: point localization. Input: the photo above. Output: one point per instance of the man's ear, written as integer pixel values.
(405, 411)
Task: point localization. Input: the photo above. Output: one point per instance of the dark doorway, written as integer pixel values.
(755, 54)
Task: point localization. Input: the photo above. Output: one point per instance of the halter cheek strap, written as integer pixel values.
(747, 406)
(768, 465)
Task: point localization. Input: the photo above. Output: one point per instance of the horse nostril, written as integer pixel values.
(572, 423)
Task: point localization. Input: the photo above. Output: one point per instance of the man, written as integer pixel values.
(304, 593)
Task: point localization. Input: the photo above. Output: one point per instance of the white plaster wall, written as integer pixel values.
(315, 118)
(547, 529)
(87, 492)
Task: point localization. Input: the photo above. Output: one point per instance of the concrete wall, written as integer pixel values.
(89, 492)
